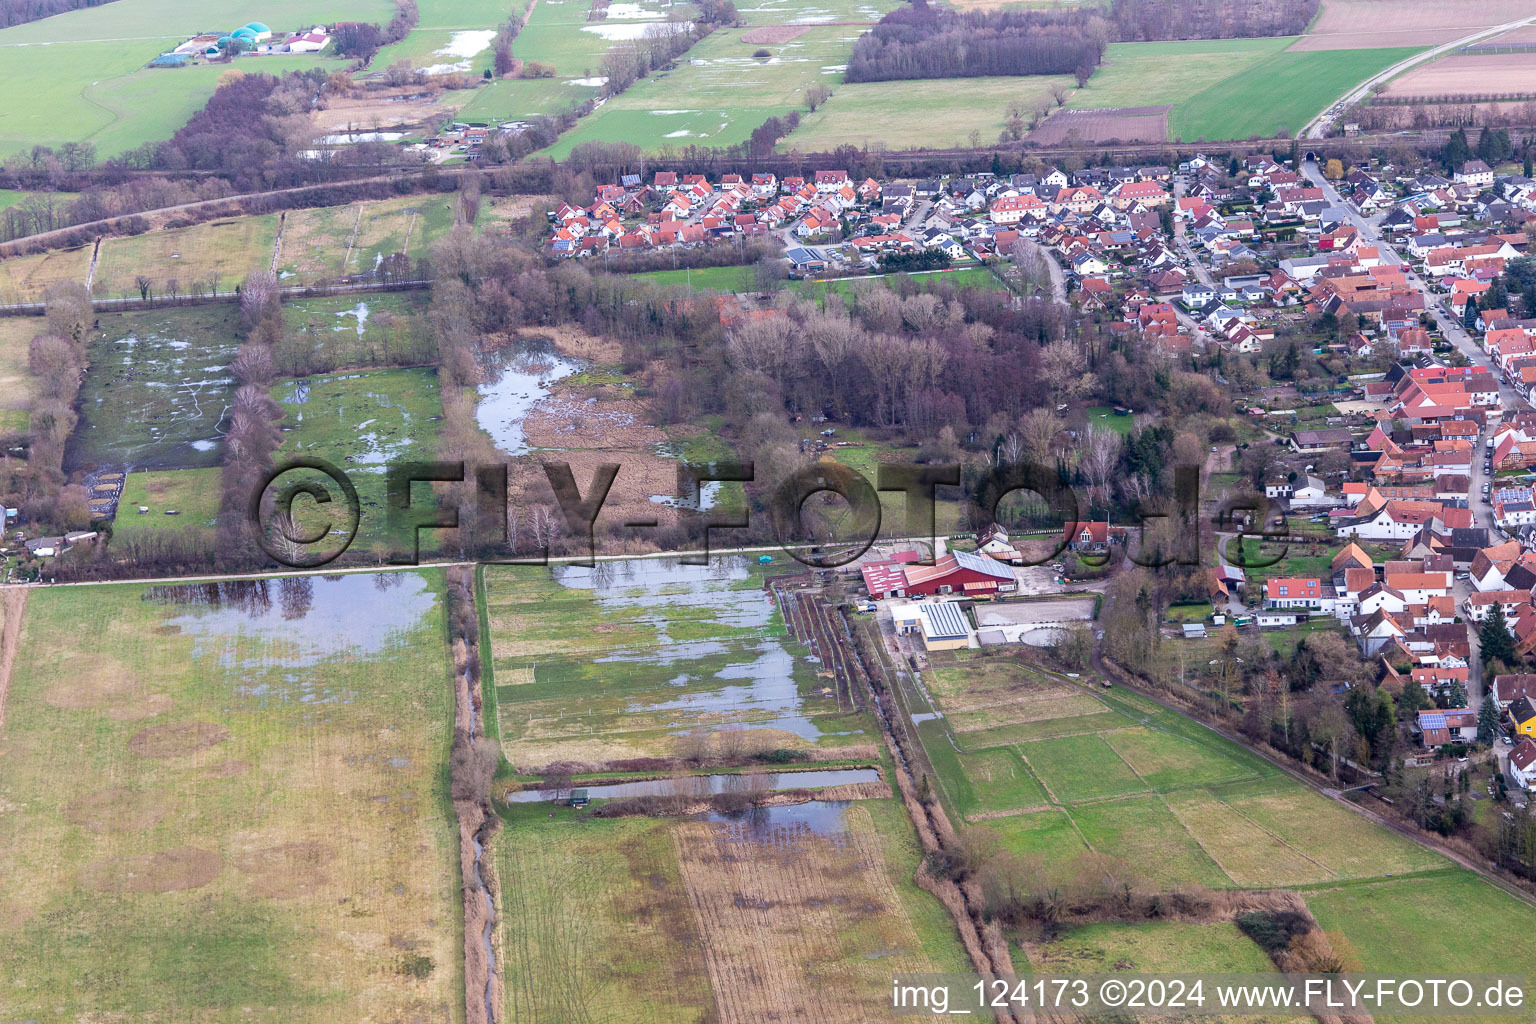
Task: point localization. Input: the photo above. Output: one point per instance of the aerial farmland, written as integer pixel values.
(689, 511)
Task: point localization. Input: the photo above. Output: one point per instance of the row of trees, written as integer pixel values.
(1140, 20)
(361, 40)
(920, 41)
(57, 359)
(16, 12)
(252, 434)
(626, 63)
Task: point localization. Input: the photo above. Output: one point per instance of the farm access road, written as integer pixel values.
(1321, 123)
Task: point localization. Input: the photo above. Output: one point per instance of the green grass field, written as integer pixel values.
(192, 493)
(1152, 947)
(720, 92)
(1137, 781)
(230, 249)
(336, 332)
(101, 92)
(1158, 74)
(1080, 768)
(245, 774)
(1284, 91)
(517, 99)
(329, 242)
(918, 114)
(1454, 922)
(16, 384)
(437, 23)
(362, 422)
(156, 388)
(1229, 88)
(626, 659)
(84, 78)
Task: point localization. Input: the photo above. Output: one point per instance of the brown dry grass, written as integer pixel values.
(117, 810)
(177, 739)
(1478, 75)
(1122, 124)
(182, 867)
(788, 918)
(286, 871)
(768, 34)
(1371, 24)
(28, 279)
(12, 605)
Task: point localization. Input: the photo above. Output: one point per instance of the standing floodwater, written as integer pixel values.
(517, 378)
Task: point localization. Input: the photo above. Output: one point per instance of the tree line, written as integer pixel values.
(921, 41)
(1145, 20)
(17, 12)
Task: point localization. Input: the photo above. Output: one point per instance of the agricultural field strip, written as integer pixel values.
(1213, 790)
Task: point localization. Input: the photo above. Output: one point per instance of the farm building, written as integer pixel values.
(960, 572)
(944, 627)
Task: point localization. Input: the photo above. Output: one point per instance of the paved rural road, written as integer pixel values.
(1320, 124)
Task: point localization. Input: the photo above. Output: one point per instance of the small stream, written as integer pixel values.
(485, 893)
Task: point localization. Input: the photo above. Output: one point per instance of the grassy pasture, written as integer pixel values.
(84, 78)
(321, 244)
(255, 781)
(719, 92)
(1141, 831)
(1454, 922)
(638, 921)
(192, 493)
(361, 422)
(1080, 768)
(16, 384)
(94, 89)
(1153, 947)
(357, 330)
(918, 114)
(1155, 74)
(230, 249)
(1167, 761)
(1228, 88)
(629, 658)
(509, 99)
(28, 278)
(1332, 835)
(156, 390)
(1216, 814)
(1247, 853)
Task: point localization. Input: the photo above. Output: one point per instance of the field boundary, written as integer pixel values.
(490, 709)
(15, 603)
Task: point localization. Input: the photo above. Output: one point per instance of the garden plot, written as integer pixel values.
(254, 778)
(654, 658)
(157, 388)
